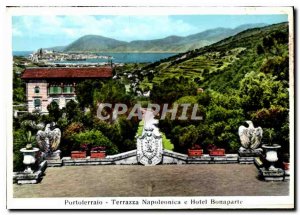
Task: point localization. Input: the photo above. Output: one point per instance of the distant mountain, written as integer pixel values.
(95, 43)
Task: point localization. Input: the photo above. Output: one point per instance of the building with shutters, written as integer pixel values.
(47, 84)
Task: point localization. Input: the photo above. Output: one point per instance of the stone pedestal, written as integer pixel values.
(247, 156)
(226, 159)
(30, 178)
(204, 159)
(53, 159)
(271, 175)
(258, 162)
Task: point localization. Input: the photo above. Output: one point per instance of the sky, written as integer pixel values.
(33, 32)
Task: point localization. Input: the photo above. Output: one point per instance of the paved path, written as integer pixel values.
(161, 180)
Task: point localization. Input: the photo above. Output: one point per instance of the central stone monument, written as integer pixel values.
(149, 148)
(149, 145)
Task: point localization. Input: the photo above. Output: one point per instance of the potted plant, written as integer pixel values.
(81, 153)
(286, 162)
(195, 151)
(98, 152)
(270, 148)
(215, 151)
(29, 152)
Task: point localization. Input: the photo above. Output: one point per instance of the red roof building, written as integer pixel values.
(67, 72)
(47, 84)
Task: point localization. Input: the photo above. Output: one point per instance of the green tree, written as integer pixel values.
(54, 112)
(72, 111)
(172, 89)
(85, 91)
(95, 138)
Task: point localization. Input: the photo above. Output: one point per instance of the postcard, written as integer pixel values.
(150, 107)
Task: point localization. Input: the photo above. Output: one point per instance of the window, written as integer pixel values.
(37, 89)
(68, 89)
(37, 103)
(54, 90)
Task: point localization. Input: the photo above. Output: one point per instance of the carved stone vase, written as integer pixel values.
(271, 154)
(29, 158)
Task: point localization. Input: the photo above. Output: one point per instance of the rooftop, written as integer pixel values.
(67, 72)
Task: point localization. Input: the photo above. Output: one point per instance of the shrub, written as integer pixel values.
(94, 138)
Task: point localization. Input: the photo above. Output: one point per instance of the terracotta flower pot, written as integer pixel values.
(195, 152)
(98, 154)
(78, 154)
(217, 152)
(286, 166)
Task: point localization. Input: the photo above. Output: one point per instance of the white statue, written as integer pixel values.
(250, 137)
(48, 140)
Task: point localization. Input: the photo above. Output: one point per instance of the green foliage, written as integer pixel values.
(184, 137)
(172, 89)
(85, 91)
(21, 139)
(94, 138)
(19, 86)
(237, 54)
(54, 112)
(17, 155)
(111, 92)
(67, 143)
(269, 134)
(27, 138)
(187, 100)
(72, 111)
(278, 66)
(259, 90)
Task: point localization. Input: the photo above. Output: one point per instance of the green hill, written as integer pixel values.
(243, 77)
(223, 64)
(94, 43)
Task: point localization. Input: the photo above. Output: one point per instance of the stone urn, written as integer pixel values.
(29, 158)
(271, 154)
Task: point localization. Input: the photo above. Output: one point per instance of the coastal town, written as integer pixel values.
(57, 57)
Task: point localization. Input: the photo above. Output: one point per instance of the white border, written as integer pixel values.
(39, 203)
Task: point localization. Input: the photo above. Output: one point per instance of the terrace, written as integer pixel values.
(161, 180)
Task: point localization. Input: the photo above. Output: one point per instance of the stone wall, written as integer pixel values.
(169, 157)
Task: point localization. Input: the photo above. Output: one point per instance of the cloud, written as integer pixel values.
(33, 32)
(119, 27)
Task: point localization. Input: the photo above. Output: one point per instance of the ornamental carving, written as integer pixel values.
(149, 148)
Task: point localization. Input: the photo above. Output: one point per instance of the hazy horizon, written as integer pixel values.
(33, 32)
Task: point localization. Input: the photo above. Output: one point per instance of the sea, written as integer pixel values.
(116, 57)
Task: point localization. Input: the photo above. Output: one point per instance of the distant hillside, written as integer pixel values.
(94, 43)
(222, 65)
